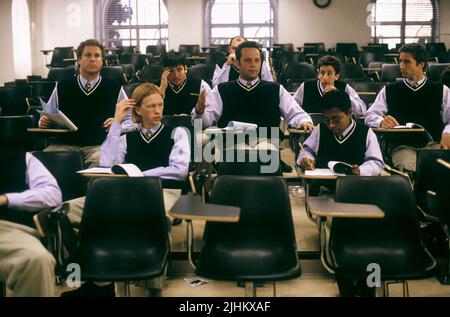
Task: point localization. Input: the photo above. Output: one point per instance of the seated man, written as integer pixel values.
(26, 267)
(180, 91)
(415, 99)
(341, 138)
(156, 149)
(230, 69)
(88, 100)
(309, 94)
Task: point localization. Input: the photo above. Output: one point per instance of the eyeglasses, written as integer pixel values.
(334, 120)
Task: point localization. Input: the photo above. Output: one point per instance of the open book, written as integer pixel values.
(119, 169)
(409, 125)
(233, 126)
(57, 116)
(335, 168)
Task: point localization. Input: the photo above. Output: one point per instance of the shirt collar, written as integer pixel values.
(419, 83)
(347, 131)
(93, 82)
(244, 82)
(154, 129)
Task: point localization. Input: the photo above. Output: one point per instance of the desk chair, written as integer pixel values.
(189, 49)
(349, 50)
(353, 72)
(365, 58)
(14, 135)
(115, 73)
(393, 242)
(300, 71)
(435, 70)
(390, 72)
(202, 71)
(123, 232)
(249, 164)
(151, 73)
(156, 49)
(13, 99)
(59, 55)
(58, 74)
(262, 245)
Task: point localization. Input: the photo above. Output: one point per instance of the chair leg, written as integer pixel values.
(444, 278)
(250, 289)
(2, 290)
(274, 289)
(126, 289)
(405, 289)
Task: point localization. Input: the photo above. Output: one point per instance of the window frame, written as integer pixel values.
(208, 26)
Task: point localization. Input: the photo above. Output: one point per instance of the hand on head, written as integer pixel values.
(122, 109)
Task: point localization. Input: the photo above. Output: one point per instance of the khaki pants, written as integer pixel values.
(75, 212)
(91, 154)
(26, 266)
(404, 158)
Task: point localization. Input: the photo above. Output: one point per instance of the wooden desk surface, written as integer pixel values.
(327, 207)
(39, 130)
(297, 131)
(45, 52)
(400, 130)
(302, 175)
(69, 59)
(392, 55)
(191, 207)
(444, 163)
(366, 93)
(102, 175)
(196, 58)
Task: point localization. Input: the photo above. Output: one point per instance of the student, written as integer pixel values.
(88, 100)
(26, 266)
(156, 149)
(417, 100)
(230, 69)
(309, 94)
(250, 99)
(180, 91)
(341, 138)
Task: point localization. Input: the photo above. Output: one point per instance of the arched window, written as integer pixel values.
(404, 21)
(132, 23)
(254, 19)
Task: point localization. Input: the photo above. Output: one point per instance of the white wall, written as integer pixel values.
(6, 43)
(59, 23)
(185, 22)
(445, 22)
(343, 21)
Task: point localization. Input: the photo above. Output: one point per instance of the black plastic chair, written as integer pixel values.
(13, 99)
(138, 60)
(299, 71)
(58, 74)
(394, 242)
(189, 49)
(156, 49)
(202, 71)
(262, 245)
(152, 73)
(390, 72)
(249, 163)
(14, 134)
(123, 232)
(42, 89)
(367, 90)
(129, 88)
(311, 48)
(113, 72)
(366, 57)
(348, 50)
(438, 51)
(353, 72)
(434, 71)
(64, 166)
(59, 55)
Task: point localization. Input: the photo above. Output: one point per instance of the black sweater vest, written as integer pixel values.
(312, 98)
(182, 101)
(13, 170)
(149, 155)
(259, 105)
(352, 150)
(87, 112)
(422, 106)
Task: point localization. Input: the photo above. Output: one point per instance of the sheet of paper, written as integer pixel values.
(96, 170)
(319, 172)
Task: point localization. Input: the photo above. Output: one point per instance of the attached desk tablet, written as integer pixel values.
(383, 133)
(47, 133)
(327, 207)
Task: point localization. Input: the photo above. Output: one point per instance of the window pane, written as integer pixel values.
(253, 32)
(225, 32)
(390, 42)
(225, 12)
(418, 30)
(419, 10)
(388, 30)
(388, 10)
(148, 12)
(257, 11)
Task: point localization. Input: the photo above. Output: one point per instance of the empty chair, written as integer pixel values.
(249, 163)
(378, 47)
(352, 72)
(438, 51)
(152, 73)
(390, 72)
(42, 89)
(202, 71)
(288, 57)
(349, 50)
(138, 60)
(13, 100)
(374, 70)
(14, 134)
(129, 88)
(129, 72)
(262, 245)
(303, 71)
(216, 58)
(123, 231)
(394, 242)
(127, 49)
(434, 71)
(58, 74)
(367, 90)
(64, 166)
(284, 47)
(189, 49)
(59, 55)
(156, 49)
(113, 72)
(366, 57)
(221, 47)
(309, 48)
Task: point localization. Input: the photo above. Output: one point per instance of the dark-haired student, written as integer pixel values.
(26, 266)
(179, 90)
(341, 138)
(414, 99)
(88, 100)
(250, 99)
(309, 94)
(230, 69)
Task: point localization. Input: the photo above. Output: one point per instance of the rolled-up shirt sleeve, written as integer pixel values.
(43, 191)
(292, 113)
(375, 113)
(373, 159)
(358, 106)
(310, 146)
(114, 148)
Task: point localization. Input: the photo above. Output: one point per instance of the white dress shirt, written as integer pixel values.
(114, 149)
(292, 113)
(379, 108)
(221, 74)
(43, 189)
(358, 106)
(373, 159)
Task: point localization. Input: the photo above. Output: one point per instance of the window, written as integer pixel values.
(132, 23)
(254, 19)
(404, 21)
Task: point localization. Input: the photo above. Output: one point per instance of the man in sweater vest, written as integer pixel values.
(250, 99)
(414, 99)
(341, 138)
(180, 91)
(26, 187)
(88, 100)
(230, 69)
(309, 94)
